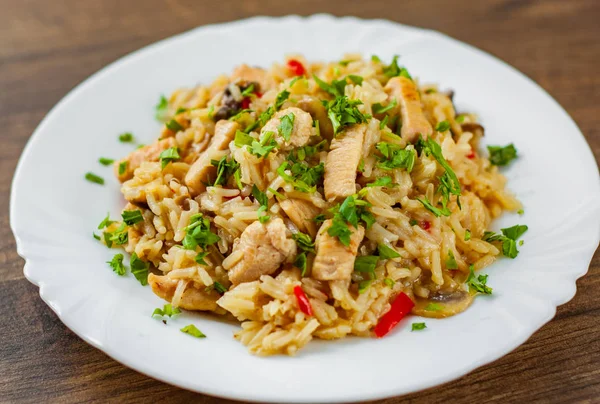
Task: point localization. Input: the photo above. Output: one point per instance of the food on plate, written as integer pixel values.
(314, 200)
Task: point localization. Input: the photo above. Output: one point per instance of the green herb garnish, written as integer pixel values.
(509, 238)
(286, 126)
(478, 285)
(501, 156)
(126, 137)
(169, 155)
(418, 326)
(131, 217)
(161, 109)
(105, 161)
(91, 177)
(117, 264)
(193, 331)
(386, 252)
(139, 269)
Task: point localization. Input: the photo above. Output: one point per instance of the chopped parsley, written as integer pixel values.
(501, 156)
(380, 109)
(239, 115)
(122, 167)
(304, 242)
(509, 238)
(363, 286)
(389, 282)
(169, 155)
(394, 70)
(442, 126)
(375, 59)
(117, 264)
(105, 161)
(351, 211)
(280, 99)
(219, 287)
(211, 112)
(193, 331)
(139, 269)
(286, 126)
(198, 233)
(366, 264)
(340, 229)
(126, 137)
(336, 88)
(131, 217)
(118, 237)
(303, 177)
(413, 222)
(358, 80)
(380, 182)
(479, 284)
(105, 222)
(97, 237)
(181, 110)
(242, 139)
(174, 126)
(395, 157)
(263, 147)
(91, 177)
(343, 112)
(300, 263)
(436, 211)
(433, 307)
(166, 311)
(200, 257)
(460, 118)
(248, 91)
(520, 211)
(451, 261)
(386, 252)
(384, 122)
(418, 326)
(467, 235)
(161, 109)
(260, 196)
(225, 169)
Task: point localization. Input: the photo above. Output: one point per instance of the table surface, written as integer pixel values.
(48, 47)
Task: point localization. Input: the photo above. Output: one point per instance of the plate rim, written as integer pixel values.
(219, 392)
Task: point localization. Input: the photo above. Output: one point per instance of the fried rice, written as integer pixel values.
(304, 199)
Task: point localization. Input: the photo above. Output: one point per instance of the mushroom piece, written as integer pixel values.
(474, 128)
(446, 304)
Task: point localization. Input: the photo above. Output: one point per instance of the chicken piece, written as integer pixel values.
(335, 261)
(414, 122)
(191, 299)
(202, 168)
(302, 214)
(318, 112)
(245, 73)
(342, 162)
(137, 157)
(302, 129)
(265, 247)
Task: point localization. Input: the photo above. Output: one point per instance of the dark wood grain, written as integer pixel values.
(47, 47)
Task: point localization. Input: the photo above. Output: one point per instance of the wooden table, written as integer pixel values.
(47, 47)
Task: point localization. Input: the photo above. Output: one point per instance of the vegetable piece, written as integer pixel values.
(300, 263)
(386, 252)
(139, 269)
(479, 284)
(281, 98)
(91, 177)
(122, 167)
(467, 235)
(117, 264)
(200, 257)
(442, 126)
(126, 137)
(105, 222)
(389, 282)
(286, 126)
(418, 326)
(509, 238)
(167, 310)
(395, 157)
(400, 307)
(381, 182)
(169, 155)
(105, 161)
(296, 67)
(161, 109)
(131, 217)
(174, 126)
(303, 302)
(343, 112)
(366, 264)
(436, 211)
(198, 233)
(192, 330)
(380, 109)
(451, 261)
(501, 156)
(394, 70)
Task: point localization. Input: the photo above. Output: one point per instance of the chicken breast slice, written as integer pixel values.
(253, 74)
(342, 162)
(302, 214)
(335, 261)
(414, 122)
(191, 299)
(313, 106)
(265, 247)
(202, 168)
(302, 129)
(137, 157)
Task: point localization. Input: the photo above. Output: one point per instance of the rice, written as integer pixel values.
(284, 304)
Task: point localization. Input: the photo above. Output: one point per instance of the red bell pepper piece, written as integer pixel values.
(425, 225)
(246, 103)
(471, 155)
(303, 301)
(401, 306)
(296, 67)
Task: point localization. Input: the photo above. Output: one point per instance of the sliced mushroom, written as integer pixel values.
(474, 128)
(443, 304)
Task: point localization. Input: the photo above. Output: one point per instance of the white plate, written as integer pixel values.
(54, 211)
